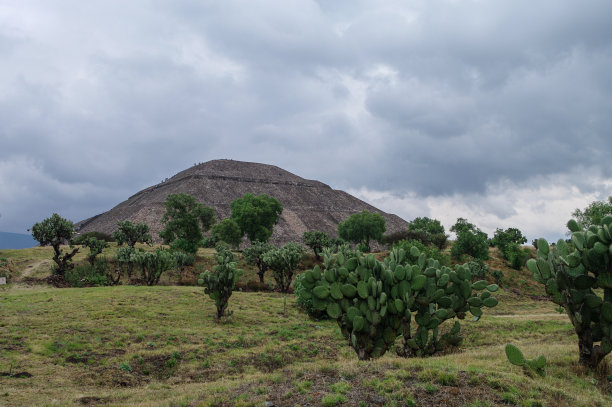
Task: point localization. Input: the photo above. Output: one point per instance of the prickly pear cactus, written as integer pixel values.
(374, 302)
(219, 284)
(434, 294)
(571, 272)
(530, 366)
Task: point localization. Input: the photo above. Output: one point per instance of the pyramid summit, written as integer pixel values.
(307, 204)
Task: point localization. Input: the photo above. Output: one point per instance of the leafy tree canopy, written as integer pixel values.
(283, 262)
(55, 231)
(362, 227)
(316, 240)
(132, 233)
(470, 241)
(228, 231)
(594, 213)
(184, 220)
(426, 225)
(256, 215)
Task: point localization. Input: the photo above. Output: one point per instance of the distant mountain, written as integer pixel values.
(307, 204)
(16, 241)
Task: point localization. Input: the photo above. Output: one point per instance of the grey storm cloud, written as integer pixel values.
(99, 99)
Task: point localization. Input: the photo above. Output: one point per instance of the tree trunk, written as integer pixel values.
(590, 355)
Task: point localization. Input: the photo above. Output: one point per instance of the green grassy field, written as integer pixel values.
(160, 346)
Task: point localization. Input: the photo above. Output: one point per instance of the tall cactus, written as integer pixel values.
(571, 272)
(220, 283)
(374, 302)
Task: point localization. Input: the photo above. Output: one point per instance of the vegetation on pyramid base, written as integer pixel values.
(362, 227)
(219, 284)
(575, 274)
(374, 302)
(184, 220)
(530, 366)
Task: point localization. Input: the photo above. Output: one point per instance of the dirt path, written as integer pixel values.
(30, 269)
(532, 316)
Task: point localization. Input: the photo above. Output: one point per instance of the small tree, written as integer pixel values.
(55, 231)
(228, 231)
(317, 241)
(184, 220)
(256, 215)
(153, 264)
(254, 255)
(219, 284)
(363, 227)
(131, 233)
(95, 248)
(283, 262)
(470, 241)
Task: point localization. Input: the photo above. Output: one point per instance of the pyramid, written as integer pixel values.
(307, 204)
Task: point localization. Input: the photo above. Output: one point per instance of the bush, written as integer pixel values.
(471, 241)
(395, 237)
(516, 255)
(304, 299)
(87, 275)
(479, 270)
(210, 241)
(430, 252)
(98, 235)
(498, 276)
(253, 255)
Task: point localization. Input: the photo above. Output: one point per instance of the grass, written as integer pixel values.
(160, 346)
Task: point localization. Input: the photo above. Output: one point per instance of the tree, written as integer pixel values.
(256, 215)
(254, 255)
(509, 243)
(362, 227)
(283, 262)
(95, 247)
(55, 231)
(184, 220)
(131, 233)
(594, 213)
(470, 240)
(228, 231)
(316, 240)
(426, 225)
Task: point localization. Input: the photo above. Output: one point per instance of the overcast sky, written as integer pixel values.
(496, 111)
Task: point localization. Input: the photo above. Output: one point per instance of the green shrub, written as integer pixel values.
(498, 276)
(98, 235)
(86, 275)
(516, 255)
(470, 241)
(209, 242)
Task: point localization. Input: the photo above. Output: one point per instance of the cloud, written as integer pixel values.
(432, 100)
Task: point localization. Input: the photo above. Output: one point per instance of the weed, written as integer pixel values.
(340, 387)
(431, 388)
(125, 367)
(330, 400)
(447, 378)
